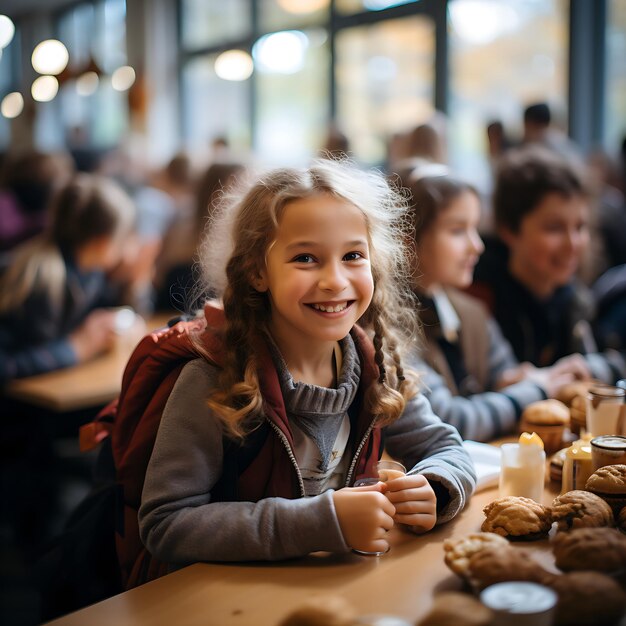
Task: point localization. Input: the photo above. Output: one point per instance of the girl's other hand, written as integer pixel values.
(95, 335)
(365, 516)
(414, 500)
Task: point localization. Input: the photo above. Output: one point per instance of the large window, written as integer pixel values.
(292, 96)
(288, 95)
(286, 14)
(385, 78)
(504, 54)
(213, 107)
(356, 6)
(205, 23)
(615, 127)
(92, 112)
(379, 68)
(8, 83)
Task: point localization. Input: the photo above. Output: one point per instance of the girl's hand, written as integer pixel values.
(365, 516)
(414, 500)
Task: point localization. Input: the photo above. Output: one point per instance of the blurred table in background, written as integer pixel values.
(90, 384)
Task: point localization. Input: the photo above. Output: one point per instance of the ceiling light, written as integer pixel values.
(12, 105)
(50, 57)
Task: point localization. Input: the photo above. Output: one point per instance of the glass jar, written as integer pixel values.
(606, 411)
(608, 450)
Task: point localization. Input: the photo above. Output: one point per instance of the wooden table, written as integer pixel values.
(401, 583)
(83, 386)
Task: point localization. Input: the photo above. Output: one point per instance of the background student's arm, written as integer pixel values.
(608, 366)
(430, 447)
(39, 359)
(481, 416)
(178, 521)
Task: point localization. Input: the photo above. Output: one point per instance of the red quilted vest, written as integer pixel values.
(133, 419)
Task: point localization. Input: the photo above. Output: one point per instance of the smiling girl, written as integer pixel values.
(310, 266)
(469, 372)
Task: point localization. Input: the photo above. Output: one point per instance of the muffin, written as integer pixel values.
(596, 549)
(587, 599)
(515, 517)
(609, 482)
(581, 509)
(548, 419)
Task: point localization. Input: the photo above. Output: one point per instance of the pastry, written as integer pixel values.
(457, 552)
(597, 549)
(548, 419)
(493, 565)
(568, 393)
(453, 608)
(587, 599)
(581, 509)
(609, 482)
(516, 517)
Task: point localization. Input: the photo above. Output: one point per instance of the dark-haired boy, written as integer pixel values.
(527, 278)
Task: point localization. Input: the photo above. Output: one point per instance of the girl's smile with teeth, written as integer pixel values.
(317, 273)
(330, 307)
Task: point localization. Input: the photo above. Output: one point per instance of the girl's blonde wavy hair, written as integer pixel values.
(243, 228)
(88, 207)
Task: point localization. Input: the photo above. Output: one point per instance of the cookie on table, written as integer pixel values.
(596, 549)
(609, 482)
(516, 517)
(321, 611)
(581, 509)
(621, 519)
(453, 608)
(457, 552)
(493, 565)
(587, 599)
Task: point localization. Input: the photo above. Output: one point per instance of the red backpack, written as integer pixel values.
(131, 423)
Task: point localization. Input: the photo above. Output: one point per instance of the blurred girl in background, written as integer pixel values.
(52, 296)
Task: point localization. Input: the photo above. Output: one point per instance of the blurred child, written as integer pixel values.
(28, 183)
(51, 295)
(301, 258)
(175, 268)
(541, 213)
(470, 374)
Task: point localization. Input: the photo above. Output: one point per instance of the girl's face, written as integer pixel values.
(546, 251)
(448, 251)
(318, 272)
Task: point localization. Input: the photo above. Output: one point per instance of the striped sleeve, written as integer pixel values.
(482, 416)
(608, 366)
